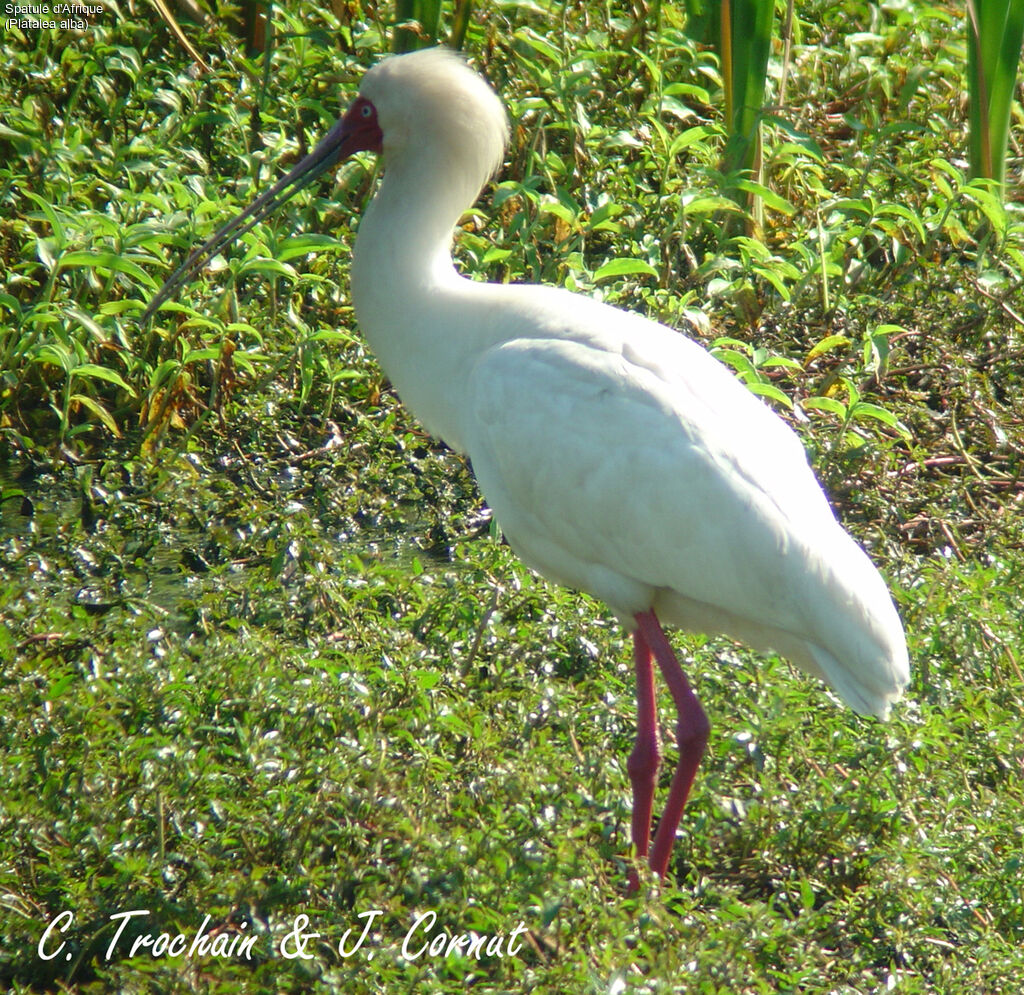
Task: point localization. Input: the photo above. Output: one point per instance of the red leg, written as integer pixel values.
(692, 729)
(645, 759)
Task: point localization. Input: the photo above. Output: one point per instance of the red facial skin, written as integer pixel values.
(361, 131)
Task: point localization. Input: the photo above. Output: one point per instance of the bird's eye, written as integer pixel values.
(367, 110)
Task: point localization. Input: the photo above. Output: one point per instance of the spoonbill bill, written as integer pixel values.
(617, 455)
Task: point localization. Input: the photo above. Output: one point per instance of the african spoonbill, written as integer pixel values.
(618, 456)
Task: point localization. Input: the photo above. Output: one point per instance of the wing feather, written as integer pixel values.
(664, 482)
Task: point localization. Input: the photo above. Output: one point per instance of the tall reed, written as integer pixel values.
(995, 30)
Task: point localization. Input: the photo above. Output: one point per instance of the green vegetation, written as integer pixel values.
(745, 38)
(995, 29)
(260, 653)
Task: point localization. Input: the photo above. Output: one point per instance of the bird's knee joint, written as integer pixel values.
(692, 732)
(644, 760)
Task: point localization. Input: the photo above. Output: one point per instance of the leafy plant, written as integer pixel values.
(746, 35)
(741, 30)
(418, 24)
(995, 31)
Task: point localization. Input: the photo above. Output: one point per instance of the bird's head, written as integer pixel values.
(424, 106)
(432, 107)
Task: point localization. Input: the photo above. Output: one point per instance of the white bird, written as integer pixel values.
(618, 456)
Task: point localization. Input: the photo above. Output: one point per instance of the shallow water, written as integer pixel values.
(115, 537)
(53, 541)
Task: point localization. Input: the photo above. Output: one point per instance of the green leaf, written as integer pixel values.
(775, 279)
(495, 255)
(267, 266)
(301, 245)
(738, 361)
(865, 409)
(51, 216)
(901, 211)
(987, 198)
(201, 355)
(625, 267)
(827, 344)
(825, 404)
(540, 45)
(104, 262)
(995, 31)
(708, 205)
(54, 355)
(770, 198)
(744, 70)
(98, 410)
(89, 323)
(601, 218)
(770, 390)
(687, 138)
(784, 361)
(427, 679)
(91, 371)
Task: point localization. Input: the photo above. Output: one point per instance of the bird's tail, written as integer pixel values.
(872, 687)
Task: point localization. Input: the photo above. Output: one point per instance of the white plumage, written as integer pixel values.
(618, 456)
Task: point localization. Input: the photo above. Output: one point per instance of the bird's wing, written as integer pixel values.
(640, 470)
(588, 456)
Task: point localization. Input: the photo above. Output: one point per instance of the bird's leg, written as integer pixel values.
(692, 729)
(645, 759)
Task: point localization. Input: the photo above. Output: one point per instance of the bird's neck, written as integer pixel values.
(408, 298)
(406, 234)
